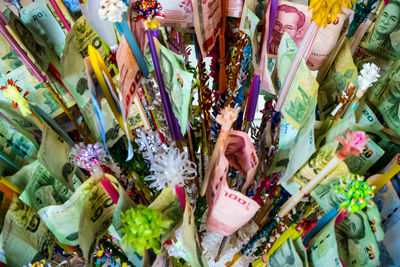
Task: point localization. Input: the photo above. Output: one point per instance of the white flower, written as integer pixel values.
(368, 75)
(171, 168)
(112, 10)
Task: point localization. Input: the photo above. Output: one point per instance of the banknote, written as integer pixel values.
(384, 34)
(104, 29)
(365, 116)
(286, 255)
(38, 93)
(177, 13)
(167, 202)
(235, 8)
(9, 59)
(54, 155)
(39, 19)
(355, 236)
(18, 147)
(23, 230)
(207, 22)
(388, 203)
(190, 239)
(369, 156)
(303, 148)
(295, 19)
(130, 75)
(385, 95)
(178, 83)
(301, 251)
(324, 250)
(95, 218)
(35, 46)
(342, 72)
(44, 190)
(251, 23)
(302, 91)
(63, 220)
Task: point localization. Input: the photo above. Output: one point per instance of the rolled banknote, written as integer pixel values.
(207, 21)
(23, 230)
(383, 36)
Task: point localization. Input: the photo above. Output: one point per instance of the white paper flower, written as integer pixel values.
(171, 168)
(368, 75)
(112, 10)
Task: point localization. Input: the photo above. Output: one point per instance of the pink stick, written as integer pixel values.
(341, 216)
(110, 189)
(60, 15)
(180, 193)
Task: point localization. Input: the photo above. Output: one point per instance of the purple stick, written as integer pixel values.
(39, 76)
(254, 99)
(164, 96)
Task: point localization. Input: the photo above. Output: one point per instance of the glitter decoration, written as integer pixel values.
(112, 10)
(358, 193)
(148, 10)
(14, 93)
(89, 157)
(171, 168)
(143, 227)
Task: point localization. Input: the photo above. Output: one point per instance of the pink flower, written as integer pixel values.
(353, 143)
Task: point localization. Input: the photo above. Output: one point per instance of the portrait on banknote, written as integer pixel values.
(295, 19)
(385, 36)
(385, 95)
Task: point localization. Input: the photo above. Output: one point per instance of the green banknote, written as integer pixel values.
(63, 220)
(17, 146)
(301, 251)
(178, 83)
(355, 236)
(24, 231)
(286, 255)
(286, 53)
(303, 89)
(39, 19)
(43, 189)
(9, 59)
(385, 96)
(324, 249)
(189, 241)
(14, 116)
(342, 72)
(383, 36)
(54, 156)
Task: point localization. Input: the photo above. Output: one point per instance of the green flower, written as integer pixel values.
(143, 227)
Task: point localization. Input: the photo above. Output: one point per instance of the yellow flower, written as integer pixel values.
(326, 11)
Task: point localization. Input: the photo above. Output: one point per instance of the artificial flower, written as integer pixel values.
(112, 10)
(326, 11)
(143, 228)
(13, 92)
(354, 143)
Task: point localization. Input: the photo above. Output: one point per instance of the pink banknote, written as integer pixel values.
(295, 19)
(235, 8)
(230, 209)
(178, 13)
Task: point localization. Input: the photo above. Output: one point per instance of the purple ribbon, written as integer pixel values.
(272, 17)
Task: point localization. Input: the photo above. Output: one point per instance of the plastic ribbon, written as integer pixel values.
(326, 11)
(14, 93)
(143, 227)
